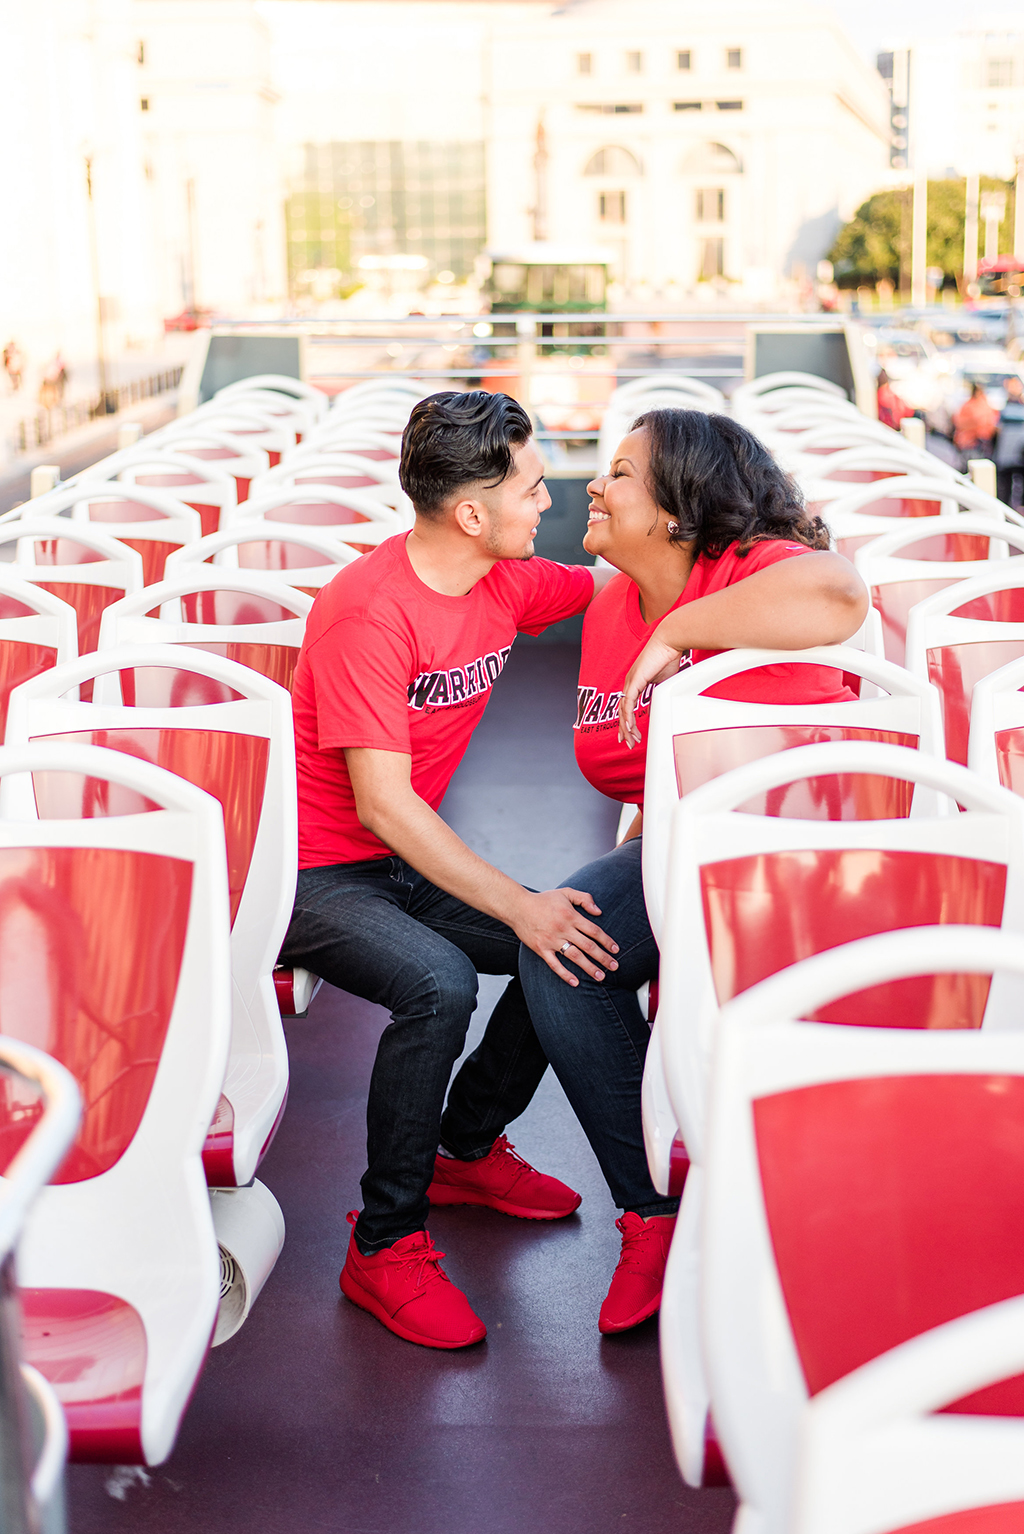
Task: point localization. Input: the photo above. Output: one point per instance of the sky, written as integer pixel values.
(874, 25)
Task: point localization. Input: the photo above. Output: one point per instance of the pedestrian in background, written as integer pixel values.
(1009, 453)
(891, 409)
(14, 365)
(974, 425)
(55, 381)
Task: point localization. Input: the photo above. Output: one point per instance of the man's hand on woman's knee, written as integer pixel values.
(554, 928)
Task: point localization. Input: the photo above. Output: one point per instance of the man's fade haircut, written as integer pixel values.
(455, 439)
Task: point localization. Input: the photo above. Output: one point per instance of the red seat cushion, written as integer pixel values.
(1001, 1518)
(219, 1149)
(92, 1348)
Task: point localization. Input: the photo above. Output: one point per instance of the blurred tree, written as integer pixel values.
(875, 243)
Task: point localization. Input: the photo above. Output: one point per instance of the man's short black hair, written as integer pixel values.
(455, 439)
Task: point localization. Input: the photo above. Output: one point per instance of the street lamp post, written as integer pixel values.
(971, 230)
(919, 221)
(919, 243)
(94, 252)
(993, 211)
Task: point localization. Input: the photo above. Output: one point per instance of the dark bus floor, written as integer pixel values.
(314, 1417)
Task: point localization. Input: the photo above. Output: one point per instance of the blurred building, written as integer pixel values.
(141, 173)
(206, 113)
(157, 148)
(727, 146)
(722, 143)
(77, 246)
(960, 100)
(352, 203)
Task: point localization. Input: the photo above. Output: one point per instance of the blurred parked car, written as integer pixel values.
(918, 374)
(189, 319)
(970, 327)
(987, 365)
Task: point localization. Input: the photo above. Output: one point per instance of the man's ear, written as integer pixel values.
(470, 517)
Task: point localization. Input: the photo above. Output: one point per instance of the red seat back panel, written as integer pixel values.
(849, 546)
(1006, 606)
(856, 476)
(92, 1349)
(955, 669)
(341, 482)
(276, 661)
(171, 687)
(894, 1205)
(706, 754)
(167, 481)
(1010, 758)
(325, 513)
(220, 455)
(64, 551)
(91, 941)
(154, 553)
(272, 554)
(231, 767)
(1000, 1518)
(765, 912)
(89, 603)
(124, 511)
(231, 607)
(18, 662)
(894, 601)
(208, 515)
(948, 548)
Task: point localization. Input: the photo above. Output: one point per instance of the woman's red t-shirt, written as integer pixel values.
(614, 633)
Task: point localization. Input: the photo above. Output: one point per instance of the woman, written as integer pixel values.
(715, 552)
(891, 409)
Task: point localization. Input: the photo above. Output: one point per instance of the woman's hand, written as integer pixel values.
(657, 661)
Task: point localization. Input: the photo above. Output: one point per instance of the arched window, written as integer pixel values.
(710, 159)
(613, 161)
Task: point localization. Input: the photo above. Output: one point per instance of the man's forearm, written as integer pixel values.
(419, 836)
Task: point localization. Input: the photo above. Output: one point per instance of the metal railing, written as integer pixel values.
(560, 365)
(43, 426)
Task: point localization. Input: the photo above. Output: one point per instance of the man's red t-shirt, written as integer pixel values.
(389, 664)
(614, 633)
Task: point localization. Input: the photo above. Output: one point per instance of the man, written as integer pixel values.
(1009, 453)
(401, 652)
(974, 426)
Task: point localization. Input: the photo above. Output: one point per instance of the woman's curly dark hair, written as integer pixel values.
(722, 485)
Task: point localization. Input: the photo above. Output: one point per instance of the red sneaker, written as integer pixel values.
(409, 1292)
(502, 1180)
(637, 1282)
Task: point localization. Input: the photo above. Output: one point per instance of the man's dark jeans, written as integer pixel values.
(382, 931)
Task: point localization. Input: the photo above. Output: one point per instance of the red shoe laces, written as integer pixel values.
(424, 1260)
(633, 1241)
(510, 1157)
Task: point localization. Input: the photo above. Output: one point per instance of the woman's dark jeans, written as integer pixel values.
(380, 930)
(595, 1035)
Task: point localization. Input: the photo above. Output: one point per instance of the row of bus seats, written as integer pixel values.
(231, 603)
(835, 1082)
(150, 619)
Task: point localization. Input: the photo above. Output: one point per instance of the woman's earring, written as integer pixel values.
(672, 527)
